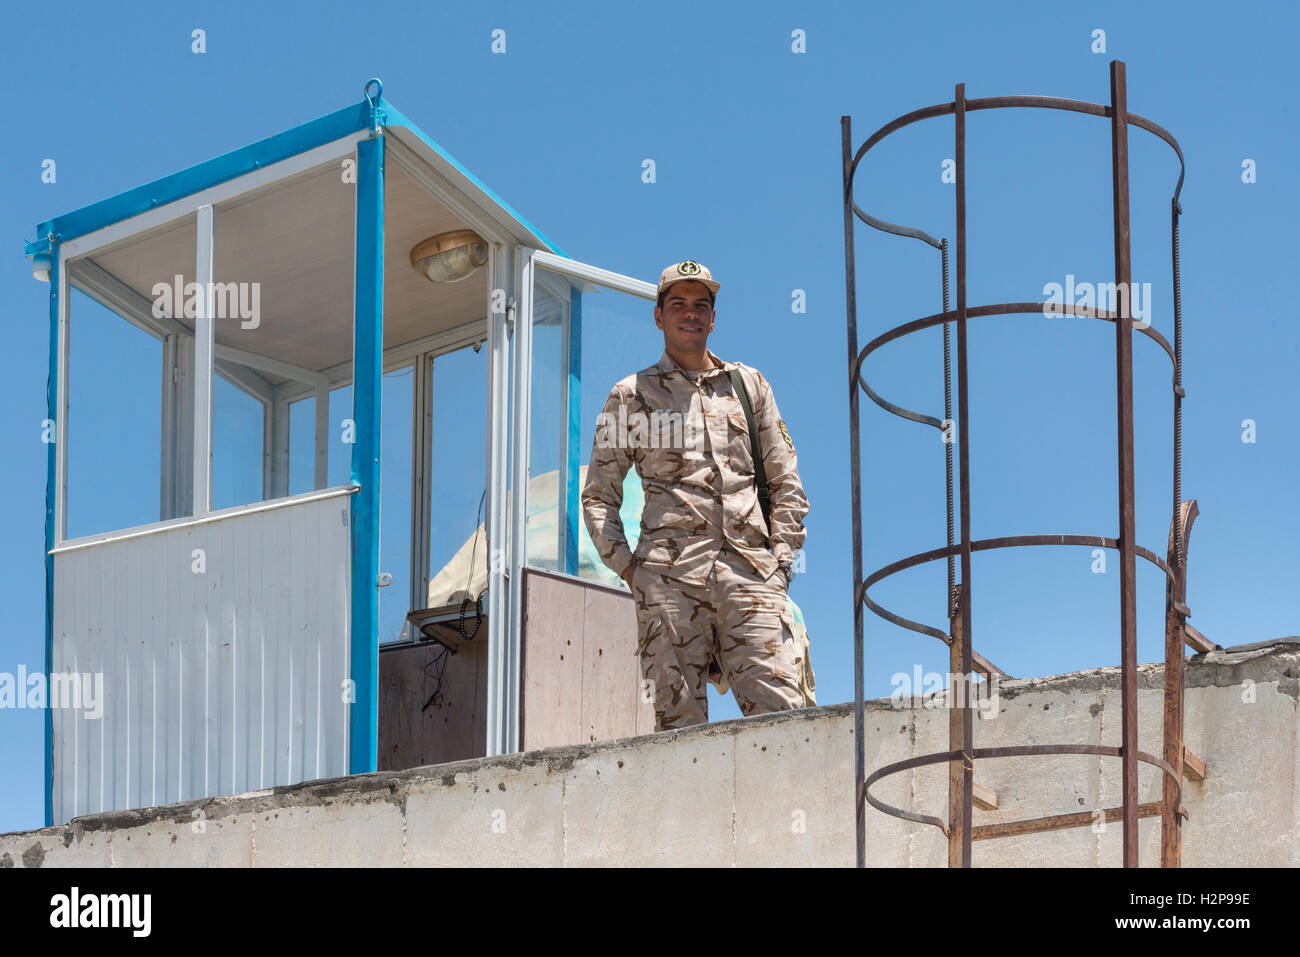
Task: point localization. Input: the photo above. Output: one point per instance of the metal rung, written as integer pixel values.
(1197, 640)
(986, 667)
(984, 798)
(1193, 767)
(1059, 822)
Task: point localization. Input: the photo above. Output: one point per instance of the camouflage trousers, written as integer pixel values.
(737, 617)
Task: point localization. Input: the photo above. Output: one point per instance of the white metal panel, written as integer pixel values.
(501, 268)
(213, 683)
(203, 342)
(520, 428)
(594, 274)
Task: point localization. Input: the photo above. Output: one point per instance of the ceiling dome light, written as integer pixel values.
(450, 257)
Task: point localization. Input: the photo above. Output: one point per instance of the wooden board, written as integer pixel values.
(581, 674)
(452, 728)
(552, 679)
(611, 672)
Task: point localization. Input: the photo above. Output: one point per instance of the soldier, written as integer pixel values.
(709, 577)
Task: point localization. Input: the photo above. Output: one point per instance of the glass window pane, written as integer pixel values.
(342, 436)
(395, 505)
(129, 420)
(283, 313)
(458, 555)
(113, 420)
(548, 422)
(619, 338)
(613, 335)
(239, 418)
(302, 445)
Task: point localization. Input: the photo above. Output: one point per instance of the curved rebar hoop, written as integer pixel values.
(1077, 819)
(963, 659)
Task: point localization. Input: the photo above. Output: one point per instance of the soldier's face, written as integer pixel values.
(686, 316)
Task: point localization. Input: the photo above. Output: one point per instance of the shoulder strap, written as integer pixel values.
(756, 448)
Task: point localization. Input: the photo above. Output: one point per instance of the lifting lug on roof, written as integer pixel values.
(373, 101)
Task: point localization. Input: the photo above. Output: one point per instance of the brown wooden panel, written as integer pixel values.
(401, 693)
(593, 692)
(451, 729)
(480, 700)
(451, 725)
(611, 674)
(552, 661)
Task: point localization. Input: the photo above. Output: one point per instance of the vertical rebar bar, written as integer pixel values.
(963, 449)
(947, 421)
(850, 295)
(1124, 412)
(1178, 387)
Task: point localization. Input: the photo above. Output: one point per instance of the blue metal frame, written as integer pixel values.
(396, 118)
(368, 352)
(205, 175)
(299, 139)
(573, 447)
(52, 411)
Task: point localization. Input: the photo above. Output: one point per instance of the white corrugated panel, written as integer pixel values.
(214, 682)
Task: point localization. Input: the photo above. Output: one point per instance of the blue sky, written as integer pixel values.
(745, 135)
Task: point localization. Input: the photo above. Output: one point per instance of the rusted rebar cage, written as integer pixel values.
(963, 660)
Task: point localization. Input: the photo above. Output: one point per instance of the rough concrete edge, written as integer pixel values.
(1272, 663)
(391, 786)
(1263, 663)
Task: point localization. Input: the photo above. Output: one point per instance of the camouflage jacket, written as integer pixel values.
(685, 433)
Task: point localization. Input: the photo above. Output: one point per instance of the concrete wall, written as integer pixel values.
(775, 790)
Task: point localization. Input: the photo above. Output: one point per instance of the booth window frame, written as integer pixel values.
(206, 365)
(276, 403)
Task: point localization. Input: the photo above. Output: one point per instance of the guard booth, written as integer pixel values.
(319, 410)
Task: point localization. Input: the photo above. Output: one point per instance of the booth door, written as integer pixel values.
(585, 328)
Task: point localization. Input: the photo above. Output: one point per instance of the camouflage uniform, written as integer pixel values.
(706, 583)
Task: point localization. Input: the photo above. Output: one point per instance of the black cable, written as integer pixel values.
(478, 602)
(441, 660)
